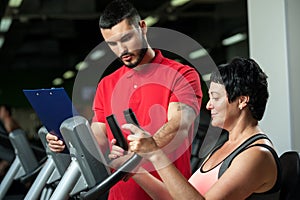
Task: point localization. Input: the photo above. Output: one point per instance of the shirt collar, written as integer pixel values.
(158, 58)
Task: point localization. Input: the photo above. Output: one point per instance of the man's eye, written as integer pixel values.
(126, 38)
(111, 43)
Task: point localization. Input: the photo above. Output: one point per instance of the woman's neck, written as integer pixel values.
(244, 127)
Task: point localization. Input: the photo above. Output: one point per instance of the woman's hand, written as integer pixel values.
(140, 141)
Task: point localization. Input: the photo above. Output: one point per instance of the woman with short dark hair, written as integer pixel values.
(246, 166)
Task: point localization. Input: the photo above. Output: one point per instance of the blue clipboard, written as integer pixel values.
(52, 106)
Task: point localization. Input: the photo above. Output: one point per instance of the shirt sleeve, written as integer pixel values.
(187, 88)
(98, 105)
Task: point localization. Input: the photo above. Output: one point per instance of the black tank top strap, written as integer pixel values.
(277, 185)
(227, 162)
(273, 193)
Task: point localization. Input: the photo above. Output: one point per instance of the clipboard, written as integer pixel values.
(52, 106)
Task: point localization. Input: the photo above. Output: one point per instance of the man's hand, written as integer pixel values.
(117, 155)
(54, 143)
(116, 151)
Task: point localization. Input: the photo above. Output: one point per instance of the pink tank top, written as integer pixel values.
(204, 180)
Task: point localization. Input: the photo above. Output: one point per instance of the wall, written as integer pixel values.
(273, 44)
(293, 43)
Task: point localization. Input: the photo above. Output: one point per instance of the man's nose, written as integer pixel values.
(122, 48)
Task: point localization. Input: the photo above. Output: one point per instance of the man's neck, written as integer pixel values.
(149, 56)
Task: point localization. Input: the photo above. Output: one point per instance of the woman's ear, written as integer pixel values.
(243, 101)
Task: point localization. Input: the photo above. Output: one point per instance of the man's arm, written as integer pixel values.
(180, 119)
(99, 131)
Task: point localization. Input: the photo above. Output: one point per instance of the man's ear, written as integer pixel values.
(143, 26)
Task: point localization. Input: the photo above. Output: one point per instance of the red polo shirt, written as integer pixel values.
(148, 93)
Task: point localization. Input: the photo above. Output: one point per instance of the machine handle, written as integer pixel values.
(116, 131)
(130, 117)
(115, 177)
(124, 169)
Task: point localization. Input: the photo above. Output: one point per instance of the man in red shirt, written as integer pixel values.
(165, 95)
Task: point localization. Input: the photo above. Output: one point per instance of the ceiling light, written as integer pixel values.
(99, 53)
(150, 20)
(1, 41)
(14, 3)
(5, 24)
(68, 74)
(81, 66)
(177, 3)
(234, 39)
(198, 53)
(57, 81)
(206, 77)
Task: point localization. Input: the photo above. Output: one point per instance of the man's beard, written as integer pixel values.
(141, 55)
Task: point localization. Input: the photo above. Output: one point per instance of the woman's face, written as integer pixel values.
(223, 113)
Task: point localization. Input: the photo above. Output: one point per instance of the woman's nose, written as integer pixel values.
(209, 105)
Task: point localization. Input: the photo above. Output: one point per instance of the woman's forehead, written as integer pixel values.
(216, 87)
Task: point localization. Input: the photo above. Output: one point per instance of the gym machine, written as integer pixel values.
(51, 172)
(23, 164)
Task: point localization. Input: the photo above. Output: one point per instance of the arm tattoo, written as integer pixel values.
(181, 107)
(164, 127)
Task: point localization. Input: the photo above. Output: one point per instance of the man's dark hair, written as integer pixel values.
(116, 11)
(244, 77)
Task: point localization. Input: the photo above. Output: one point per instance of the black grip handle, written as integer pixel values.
(130, 117)
(116, 131)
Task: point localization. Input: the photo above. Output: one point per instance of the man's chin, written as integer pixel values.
(135, 60)
(130, 65)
